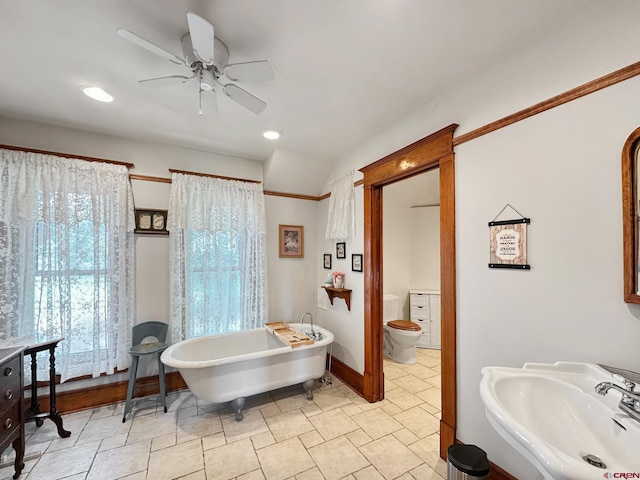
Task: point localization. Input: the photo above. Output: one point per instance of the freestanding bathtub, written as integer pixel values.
(233, 366)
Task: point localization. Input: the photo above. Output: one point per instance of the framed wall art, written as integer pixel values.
(356, 262)
(291, 241)
(508, 242)
(327, 261)
(341, 250)
(151, 221)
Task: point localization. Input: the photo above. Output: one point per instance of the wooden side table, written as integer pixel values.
(33, 412)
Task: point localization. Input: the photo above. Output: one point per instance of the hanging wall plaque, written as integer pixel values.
(508, 242)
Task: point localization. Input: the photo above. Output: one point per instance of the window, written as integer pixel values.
(218, 261)
(214, 278)
(77, 287)
(70, 258)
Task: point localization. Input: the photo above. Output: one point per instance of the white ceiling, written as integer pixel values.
(345, 69)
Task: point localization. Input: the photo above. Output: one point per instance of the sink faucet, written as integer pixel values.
(630, 402)
(312, 334)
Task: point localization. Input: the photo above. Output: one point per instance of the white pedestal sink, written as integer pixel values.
(551, 414)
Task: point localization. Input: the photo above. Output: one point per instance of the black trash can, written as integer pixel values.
(467, 462)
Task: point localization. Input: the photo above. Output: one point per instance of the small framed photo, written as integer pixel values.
(291, 240)
(341, 250)
(327, 261)
(356, 262)
(151, 221)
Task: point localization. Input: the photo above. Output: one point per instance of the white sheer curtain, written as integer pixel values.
(67, 259)
(341, 221)
(218, 256)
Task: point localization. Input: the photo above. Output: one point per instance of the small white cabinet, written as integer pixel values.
(425, 311)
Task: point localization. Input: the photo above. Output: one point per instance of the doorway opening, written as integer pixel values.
(411, 286)
(432, 152)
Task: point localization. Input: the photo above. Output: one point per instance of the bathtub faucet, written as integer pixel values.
(312, 334)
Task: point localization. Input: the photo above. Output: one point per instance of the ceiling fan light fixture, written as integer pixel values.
(97, 93)
(272, 134)
(206, 57)
(206, 80)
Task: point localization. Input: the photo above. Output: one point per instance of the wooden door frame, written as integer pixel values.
(431, 152)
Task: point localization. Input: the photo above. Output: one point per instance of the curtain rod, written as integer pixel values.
(67, 155)
(213, 176)
(148, 178)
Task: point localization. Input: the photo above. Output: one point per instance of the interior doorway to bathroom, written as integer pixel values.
(411, 291)
(432, 152)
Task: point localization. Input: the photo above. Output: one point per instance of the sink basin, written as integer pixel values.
(551, 414)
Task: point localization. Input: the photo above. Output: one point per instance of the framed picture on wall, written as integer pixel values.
(291, 240)
(151, 221)
(327, 261)
(356, 262)
(341, 250)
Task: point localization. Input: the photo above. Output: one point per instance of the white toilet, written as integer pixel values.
(400, 336)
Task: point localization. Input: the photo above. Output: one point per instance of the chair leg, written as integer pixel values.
(133, 370)
(163, 386)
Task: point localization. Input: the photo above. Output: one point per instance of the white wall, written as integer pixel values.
(424, 270)
(396, 252)
(291, 281)
(294, 172)
(152, 257)
(560, 168)
(569, 306)
(346, 325)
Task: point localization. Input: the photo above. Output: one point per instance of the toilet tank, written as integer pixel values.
(390, 307)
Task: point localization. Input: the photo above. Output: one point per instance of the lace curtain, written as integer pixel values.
(67, 259)
(341, 222)
(217, 256)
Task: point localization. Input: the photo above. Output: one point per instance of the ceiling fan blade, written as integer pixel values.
(244, 98)
(208, 103)
(201, 33)
(260, 71)
(147, 45)
(164, 81)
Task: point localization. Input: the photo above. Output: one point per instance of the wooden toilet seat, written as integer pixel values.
(404, 325)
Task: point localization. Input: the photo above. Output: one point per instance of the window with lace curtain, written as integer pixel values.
(217, 256)
(66, 259)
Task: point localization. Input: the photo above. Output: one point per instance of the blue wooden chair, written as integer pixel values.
(157, 330)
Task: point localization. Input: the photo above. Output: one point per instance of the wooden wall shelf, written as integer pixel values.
(343, 293)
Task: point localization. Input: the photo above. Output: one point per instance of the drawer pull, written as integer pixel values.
(8, 395)
(7, 424)
(8, 371)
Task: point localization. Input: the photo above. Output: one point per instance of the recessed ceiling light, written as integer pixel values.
(97, 94)
(272, 134)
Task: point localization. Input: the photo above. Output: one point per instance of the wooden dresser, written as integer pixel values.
(11, 416)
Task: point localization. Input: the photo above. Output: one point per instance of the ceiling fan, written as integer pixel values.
(206, 56)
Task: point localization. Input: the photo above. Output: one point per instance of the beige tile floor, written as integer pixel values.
(283, 436)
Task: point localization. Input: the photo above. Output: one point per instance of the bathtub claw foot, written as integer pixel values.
(308, 386)
(238, 404)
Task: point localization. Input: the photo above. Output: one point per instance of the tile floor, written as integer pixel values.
(283, 436)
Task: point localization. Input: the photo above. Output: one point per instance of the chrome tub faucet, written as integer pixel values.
(630, 401)
(312, 334)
